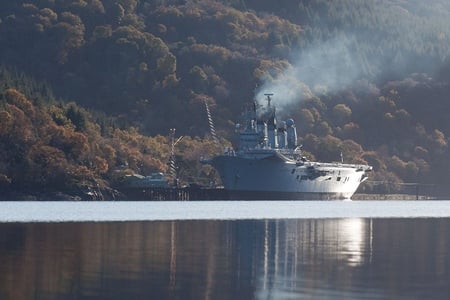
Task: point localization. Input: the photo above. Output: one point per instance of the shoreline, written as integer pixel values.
(117, 195)
(394, 197)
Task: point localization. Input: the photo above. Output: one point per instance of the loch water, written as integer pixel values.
(398, 255)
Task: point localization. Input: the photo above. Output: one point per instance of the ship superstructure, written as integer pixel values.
(268, 163)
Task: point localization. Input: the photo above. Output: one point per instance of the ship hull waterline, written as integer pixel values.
(274, 178)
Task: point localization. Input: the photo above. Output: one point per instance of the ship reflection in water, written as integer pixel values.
(315, 256)
(266, 259)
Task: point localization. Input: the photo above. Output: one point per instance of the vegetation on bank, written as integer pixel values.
(52, 146)
(90, 88)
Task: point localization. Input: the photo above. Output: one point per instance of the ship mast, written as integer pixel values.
(268, 95)
(271, 123)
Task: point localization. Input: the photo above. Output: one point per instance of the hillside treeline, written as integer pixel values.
(52, 146)
(370, 80)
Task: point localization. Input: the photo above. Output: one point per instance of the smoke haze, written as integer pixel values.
(325, 66)
(380, 43)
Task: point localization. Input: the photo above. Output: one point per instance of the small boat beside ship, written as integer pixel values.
(268, 163)
(154, 180)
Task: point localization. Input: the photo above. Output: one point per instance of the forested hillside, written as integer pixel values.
(90, 86)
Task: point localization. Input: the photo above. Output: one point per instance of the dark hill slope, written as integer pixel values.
(366, 78)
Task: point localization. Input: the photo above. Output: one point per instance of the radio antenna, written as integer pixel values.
(173, 142)
(212, 130)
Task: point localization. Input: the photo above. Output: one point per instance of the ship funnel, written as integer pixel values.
(262, 130)
(291, 134)
(282, 136)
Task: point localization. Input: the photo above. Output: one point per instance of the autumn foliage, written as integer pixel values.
(41, 148)
(90, 88)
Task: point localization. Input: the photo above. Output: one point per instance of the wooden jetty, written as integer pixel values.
(175, 194)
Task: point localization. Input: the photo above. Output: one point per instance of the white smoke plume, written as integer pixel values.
(383, 41)
(325, 66)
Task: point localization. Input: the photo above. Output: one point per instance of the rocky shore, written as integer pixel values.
(87, 194)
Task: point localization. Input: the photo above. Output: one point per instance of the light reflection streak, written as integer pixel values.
(266, 252)
(308, 245)
(353, 235)
(173, 258)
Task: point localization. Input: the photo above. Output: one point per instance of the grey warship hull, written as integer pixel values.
(276, 178)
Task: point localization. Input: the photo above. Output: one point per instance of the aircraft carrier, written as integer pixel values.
(268, 163)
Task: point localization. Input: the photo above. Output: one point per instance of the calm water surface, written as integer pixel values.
(344, 258)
